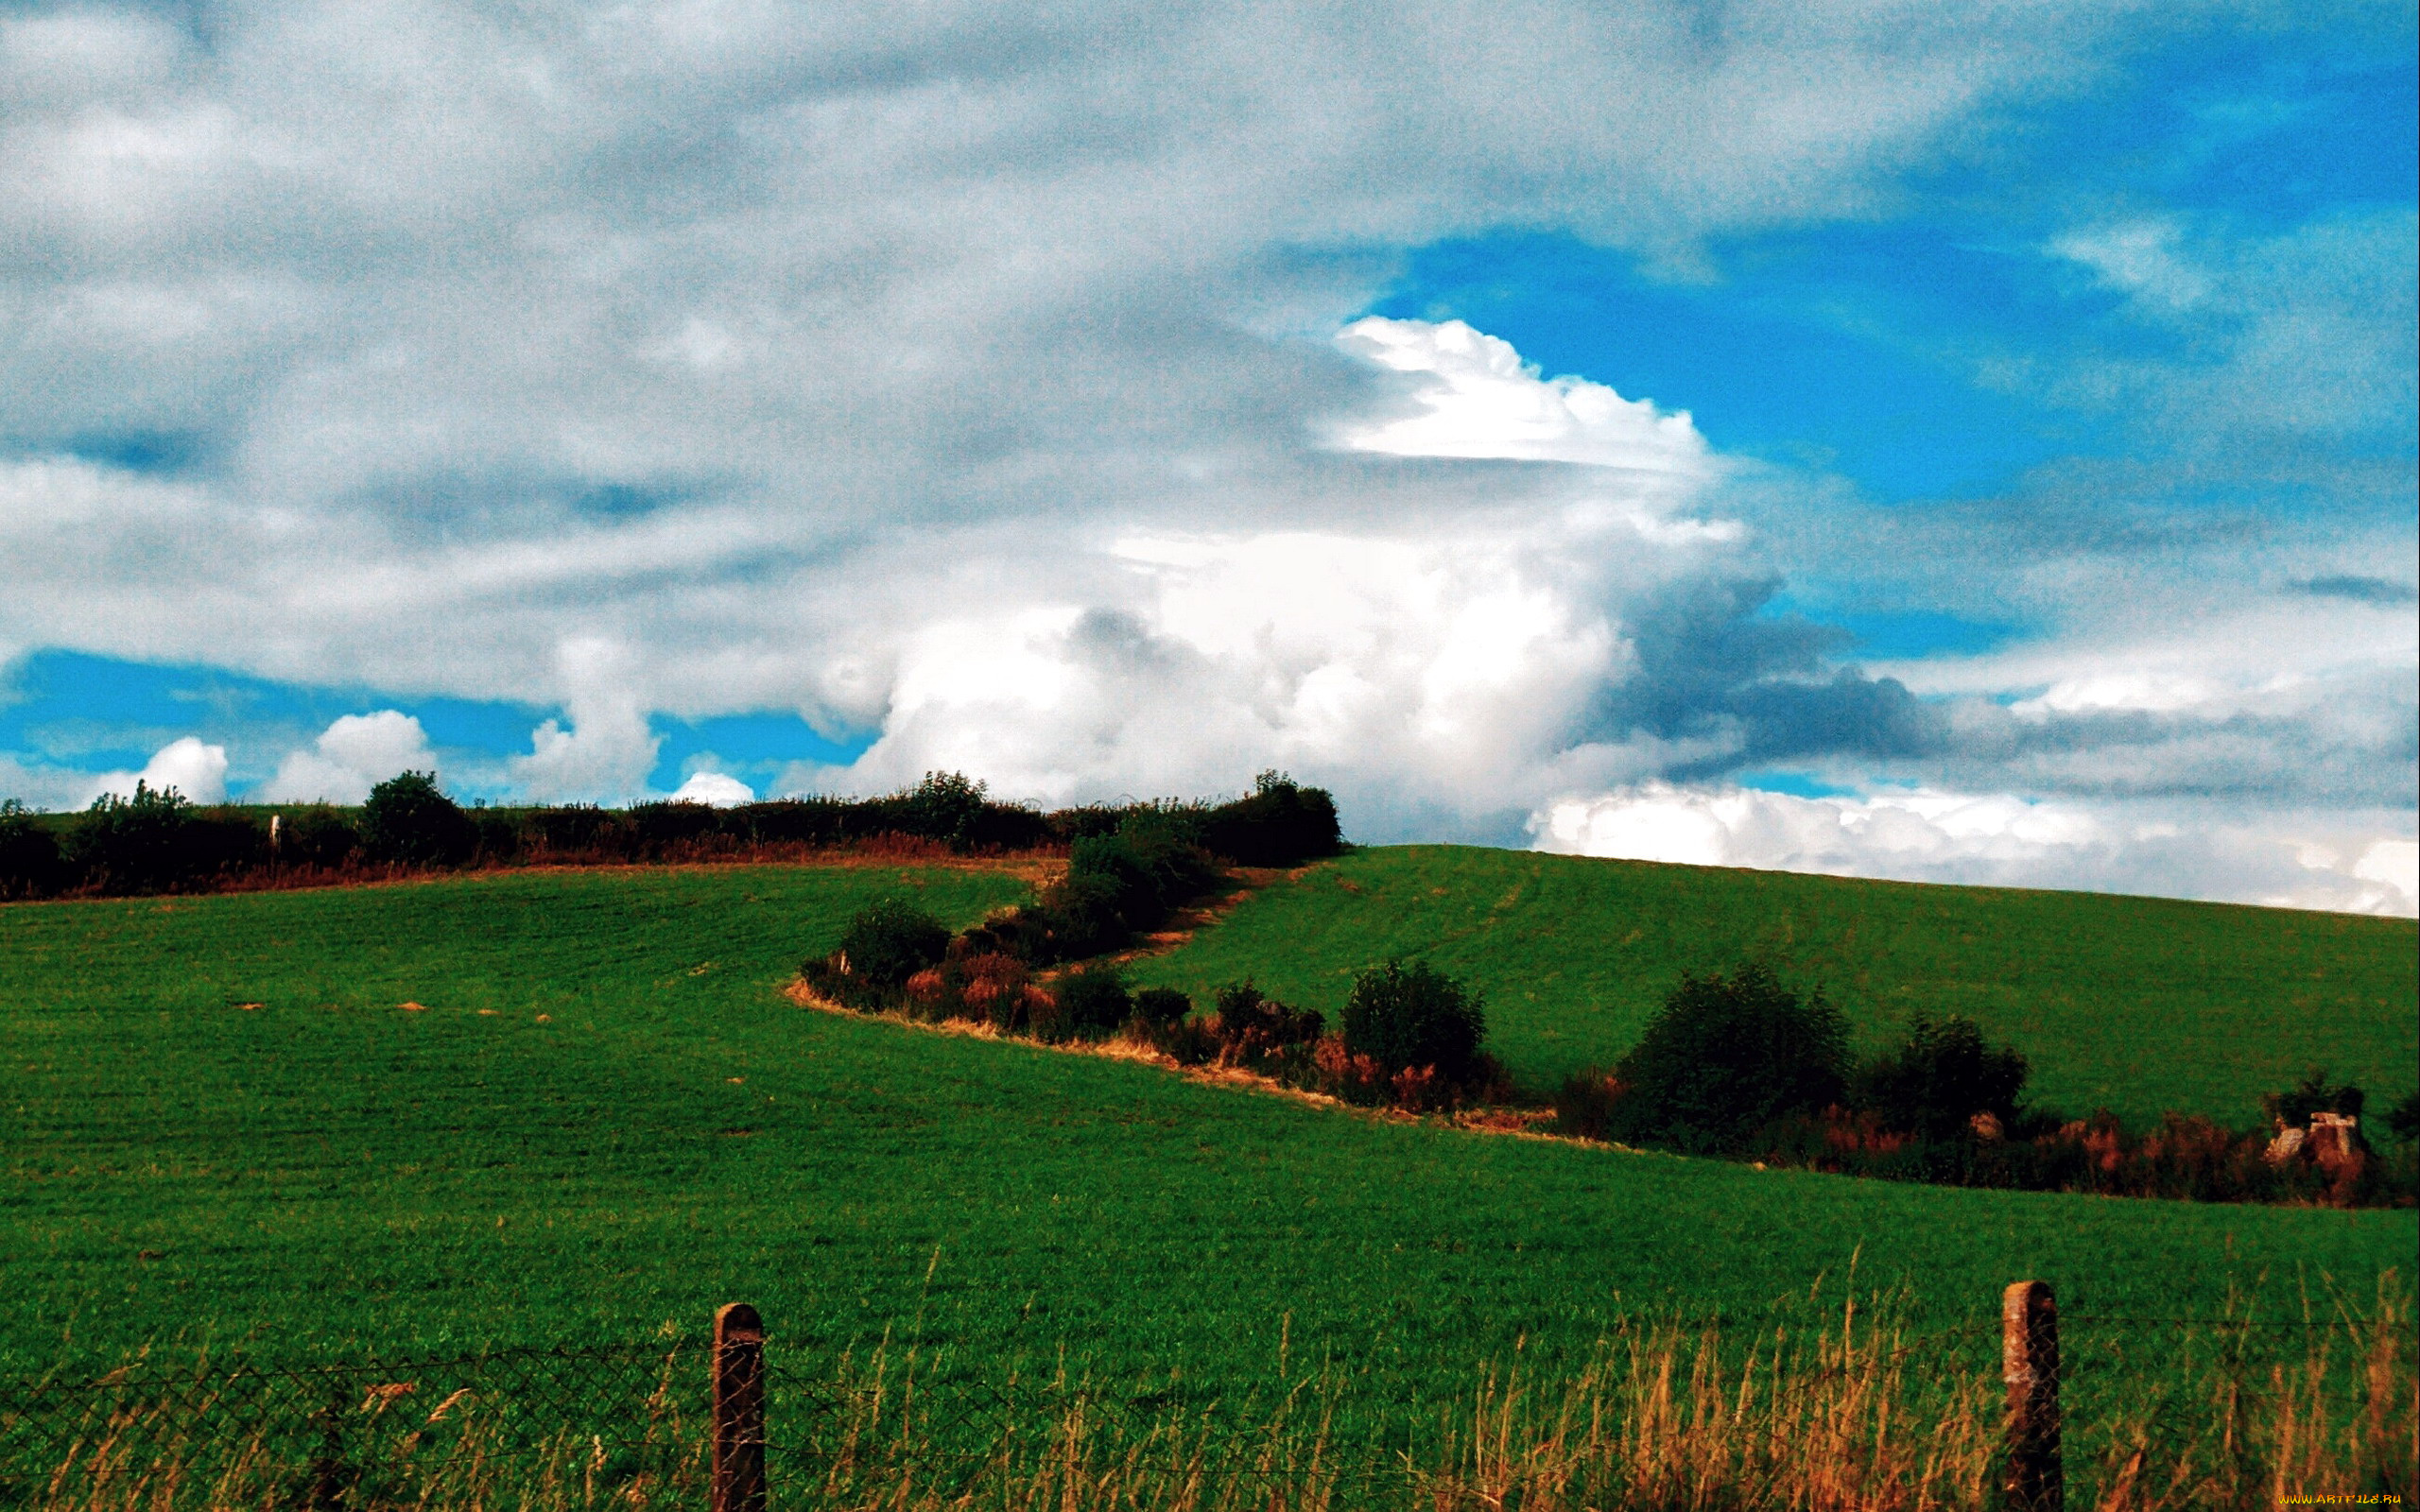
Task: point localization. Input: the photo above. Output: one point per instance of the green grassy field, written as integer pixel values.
(329, 1175)
(2139, 1005)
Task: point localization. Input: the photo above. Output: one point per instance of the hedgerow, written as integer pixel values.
(1744, 1065)
(1144, 860)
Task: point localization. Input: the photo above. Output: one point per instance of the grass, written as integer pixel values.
(1840, 1417)
(2139, 1005)
(222, 1128)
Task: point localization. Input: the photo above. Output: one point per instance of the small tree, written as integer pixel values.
(890, 942)
(1940, 1077)
(1161, 1007)
(1408, 1016)
(410, 819)
(945, 806)
(1726, 1056)
(1281, 824)
(1093, 998)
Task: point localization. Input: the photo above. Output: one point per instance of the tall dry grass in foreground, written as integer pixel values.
(1855, 1414)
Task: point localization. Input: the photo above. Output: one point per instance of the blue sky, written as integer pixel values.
(975, 403)
(97, 715)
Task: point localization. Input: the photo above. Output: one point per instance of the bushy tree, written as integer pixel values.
(408, 819)
(1281, 824)
(947, 807)
(892, 940)
(1726, 1056)
(30, 865)
(1405, 1016)
(1094, 999)
(1161, 1006)
(135, 844)
(1938, 1079)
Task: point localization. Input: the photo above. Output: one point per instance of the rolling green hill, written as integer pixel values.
(2139, 1005)
(221, 1127)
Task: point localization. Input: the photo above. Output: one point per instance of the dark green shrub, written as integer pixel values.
(790, 821)
(656, 828)
(890, 941)
(1941, 1077)
(1068, 826)
(2314, 1093)
(824, 976)
(30, 864)
(1160, 1006)
(1160, 842)
(1725, 1056)
(1280, 824)
(498, 837)
(409, 820)
(1094, 999)
(2403, 1118)
(945, 806)
(1249, 1019)
(1078, 917)
(573, 829)
(1188, 1041)
(316, 836)
(1108, 869)
(138, 844)
(1407, 1016)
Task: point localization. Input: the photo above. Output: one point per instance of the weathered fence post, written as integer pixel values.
(740, 1410)
(2029, 1365)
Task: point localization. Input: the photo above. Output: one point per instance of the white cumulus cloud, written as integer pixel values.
(187, 765)
(716, 788)
(604, 754)
(353, 754)
(1988, 838)
(1477, 398)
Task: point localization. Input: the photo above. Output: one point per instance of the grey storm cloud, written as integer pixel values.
(1710, 664)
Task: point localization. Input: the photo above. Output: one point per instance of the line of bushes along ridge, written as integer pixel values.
(1410, 1035)
(1739, 1065)
(156, 841)
(1744, 1066)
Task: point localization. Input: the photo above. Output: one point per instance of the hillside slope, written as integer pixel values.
(2140, 1004)
(604, 1117)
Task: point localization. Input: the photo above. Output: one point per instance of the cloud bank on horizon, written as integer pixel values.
(1926, 442)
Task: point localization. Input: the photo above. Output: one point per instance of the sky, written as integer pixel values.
(1955, 442)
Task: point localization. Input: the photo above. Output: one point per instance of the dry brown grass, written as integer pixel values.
(1852, 1415)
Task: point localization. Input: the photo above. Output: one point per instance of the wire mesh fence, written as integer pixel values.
(1679, 1402)
(360, 1432)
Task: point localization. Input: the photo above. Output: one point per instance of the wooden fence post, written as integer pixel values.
(2035, 1481)
(740, 1410)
